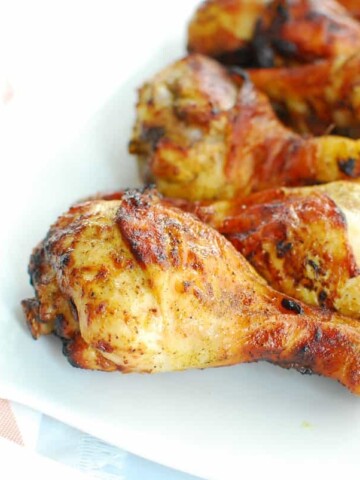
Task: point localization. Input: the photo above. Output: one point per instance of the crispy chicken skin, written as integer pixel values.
(304, 241)
(198, 138)
(316, 97)
(224, 28)
(152, 289)
(181, 127)
(313, 98)
(303, 31)
(267, 34)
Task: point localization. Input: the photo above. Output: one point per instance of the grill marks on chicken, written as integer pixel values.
(214, 143)
(181, 298)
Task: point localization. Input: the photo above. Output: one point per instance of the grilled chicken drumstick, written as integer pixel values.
(304, 241)
(196, 137)
(139, 286)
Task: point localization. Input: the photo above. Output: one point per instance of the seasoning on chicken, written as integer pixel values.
(198, 138)
(149, 288)
(304, 241)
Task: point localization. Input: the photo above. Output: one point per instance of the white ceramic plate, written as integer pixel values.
(65, 137)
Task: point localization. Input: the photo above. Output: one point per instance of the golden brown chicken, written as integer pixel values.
(197, 138)
(224, 29)
(314, 98)
(304, 241)
(138, 286)
(284, 32)
(181, 127)
(303, 31)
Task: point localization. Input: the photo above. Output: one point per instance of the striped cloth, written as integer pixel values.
(9, 428)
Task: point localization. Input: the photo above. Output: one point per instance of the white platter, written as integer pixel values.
(65, 137)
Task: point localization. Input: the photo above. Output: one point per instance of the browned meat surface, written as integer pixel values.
(152, 289)
(197, 137)
(303, 31)
(304, 241)
(318, 97)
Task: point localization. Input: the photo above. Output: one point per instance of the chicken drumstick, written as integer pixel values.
(139, 286)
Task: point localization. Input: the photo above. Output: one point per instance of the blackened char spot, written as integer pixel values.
(243, 57)
(282, 248)
(305, 370)
(292, 306)
(284, 47)
(66, 350)
(64, 260)
(59, 325)
(304, 350)
(37, 260)
(348, 166)
(152, 135)
(283, 12)
(342, 217)
(314, 266)
(322, 298)
(263, 52)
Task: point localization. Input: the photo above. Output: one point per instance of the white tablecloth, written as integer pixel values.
(42, 438)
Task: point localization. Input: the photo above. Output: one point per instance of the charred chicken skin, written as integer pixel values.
(302, 31)
(139, 286)
(224, 29)
(304, 241)
(197, 137)
(309, 95)
(267, 34)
